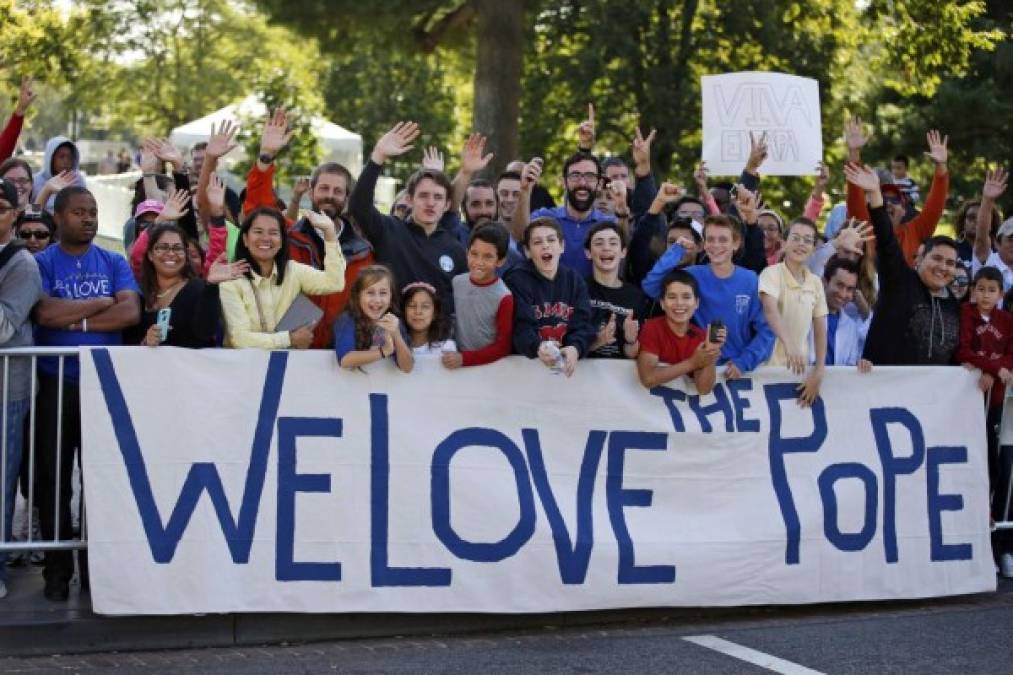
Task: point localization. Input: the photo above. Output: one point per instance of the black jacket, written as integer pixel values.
(549, 309)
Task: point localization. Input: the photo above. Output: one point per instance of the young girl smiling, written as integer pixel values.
(428, 327)
(368, 332)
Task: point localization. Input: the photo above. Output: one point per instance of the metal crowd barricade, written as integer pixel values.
(29, 453)
(1005, 463)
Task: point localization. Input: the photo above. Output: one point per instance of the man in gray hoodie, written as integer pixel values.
(20, 288)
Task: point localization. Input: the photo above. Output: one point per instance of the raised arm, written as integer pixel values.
(890, 261)
(395, 142)
(644, 189)
(814, 205)
(855, 137)
(219, 144)
(331, 279)
(926, 221)
(995, 186)
(473, 160)
(522, 214)
(9, 136)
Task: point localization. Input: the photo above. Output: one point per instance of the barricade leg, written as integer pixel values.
(54, 463)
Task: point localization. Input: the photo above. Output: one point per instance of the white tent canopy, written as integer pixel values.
(339, 144)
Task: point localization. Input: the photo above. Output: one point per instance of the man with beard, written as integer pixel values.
(330, 185)
(582, 178)
(88, 297)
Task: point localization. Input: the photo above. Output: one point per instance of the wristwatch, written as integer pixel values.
(265, 158)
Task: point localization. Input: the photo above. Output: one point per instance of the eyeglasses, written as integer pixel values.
(34, 234)
(960, 282)
(577, 177)
(178, 249)
(799, 239)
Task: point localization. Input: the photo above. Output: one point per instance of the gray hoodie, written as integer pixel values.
(47, 167)
(20, 289)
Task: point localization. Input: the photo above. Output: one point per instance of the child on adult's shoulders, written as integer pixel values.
(552, 312)
(671, 345)
(483, 321)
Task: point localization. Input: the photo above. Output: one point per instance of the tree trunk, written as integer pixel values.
(499, 34)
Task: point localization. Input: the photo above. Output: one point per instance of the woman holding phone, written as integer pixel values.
(180, 309)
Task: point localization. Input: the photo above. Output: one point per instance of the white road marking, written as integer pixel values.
(750, 655)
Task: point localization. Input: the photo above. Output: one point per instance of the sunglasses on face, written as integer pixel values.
(34, 234)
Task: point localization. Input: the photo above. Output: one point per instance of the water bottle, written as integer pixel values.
(557, 357)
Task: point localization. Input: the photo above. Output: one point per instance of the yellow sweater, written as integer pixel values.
(239, 306)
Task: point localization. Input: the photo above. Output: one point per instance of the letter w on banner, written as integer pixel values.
(244, 480)
(784, 107)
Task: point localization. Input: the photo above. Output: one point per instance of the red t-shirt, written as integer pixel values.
(657, 338)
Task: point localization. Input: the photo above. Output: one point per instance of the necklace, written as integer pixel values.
(168, 290)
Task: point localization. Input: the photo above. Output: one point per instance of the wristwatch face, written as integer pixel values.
(265, 158)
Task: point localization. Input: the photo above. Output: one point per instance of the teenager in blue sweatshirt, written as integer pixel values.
(551, 306)
(727, 292)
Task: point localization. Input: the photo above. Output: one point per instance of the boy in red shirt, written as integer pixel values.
(672, 339)
(986, 343)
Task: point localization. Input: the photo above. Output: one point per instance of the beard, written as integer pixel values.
(581, 204)
(330, 207)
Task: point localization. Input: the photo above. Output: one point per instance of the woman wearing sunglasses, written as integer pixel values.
(36, 229)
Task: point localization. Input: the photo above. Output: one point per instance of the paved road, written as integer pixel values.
(963, 635)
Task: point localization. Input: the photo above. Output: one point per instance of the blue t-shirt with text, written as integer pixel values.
(97, 273)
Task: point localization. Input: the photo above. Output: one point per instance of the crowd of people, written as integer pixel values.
(467, 270)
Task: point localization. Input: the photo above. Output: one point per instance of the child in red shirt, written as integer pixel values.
(672, 339)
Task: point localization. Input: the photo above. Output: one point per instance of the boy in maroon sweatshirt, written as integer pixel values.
(986, 343)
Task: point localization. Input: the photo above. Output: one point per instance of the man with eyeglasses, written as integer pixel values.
(917, 320)
(19, 289)
(582, 177)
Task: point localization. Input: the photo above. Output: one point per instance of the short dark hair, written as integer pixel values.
(807, 222)
(688, 199)
(492, 232)
(543, 221)
(331, 167)
(68, 193)
(605, 225)
(615, 160)
(199, 145)
(940, 240)
(506, 175)
(581, 156)
(437, 177)
(722, 220)
(903, 159)
(479, 183)
(682, 277)
(280, 258)
(838, 263)
(988, 273)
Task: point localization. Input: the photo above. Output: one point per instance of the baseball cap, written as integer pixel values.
(148, 206)
(893, 190)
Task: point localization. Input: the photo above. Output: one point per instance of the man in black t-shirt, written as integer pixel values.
(617, 307)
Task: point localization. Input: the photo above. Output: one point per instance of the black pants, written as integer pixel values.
(59, 564)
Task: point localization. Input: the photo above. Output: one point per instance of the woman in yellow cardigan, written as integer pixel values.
(254, 304)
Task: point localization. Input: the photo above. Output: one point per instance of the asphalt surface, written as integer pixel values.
(957, 635)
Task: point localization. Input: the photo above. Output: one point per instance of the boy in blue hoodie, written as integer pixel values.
(727, 292)
(552, 312)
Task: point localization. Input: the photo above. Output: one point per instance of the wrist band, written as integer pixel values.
(84, 325)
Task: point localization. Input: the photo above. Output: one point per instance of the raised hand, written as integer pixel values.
(276, 133)
(26, 94)
(301, 187)
(585, 132)
(852, 237)
(862, 176)
(854, 133)
(822, 178)
(531, 173)
(937, 147)
(164, 151)
(700, 178)
(669, 193)
(995, 183)
(61, 180)
(472, 159)
(618, 190)
(175, 206)
(746, 202)
(757, 152)
(432, 159)
(221, 271)
(216, 196)
(642, 149)
(322, 222)
(395, 142)
(150, 163)
(221, 141)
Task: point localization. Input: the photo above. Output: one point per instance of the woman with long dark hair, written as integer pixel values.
(254, 305)
(188, 305)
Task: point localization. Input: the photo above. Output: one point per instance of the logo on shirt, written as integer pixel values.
(741, 304)
(446, 263)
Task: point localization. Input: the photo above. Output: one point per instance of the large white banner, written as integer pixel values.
(227, 481)
(785, 108)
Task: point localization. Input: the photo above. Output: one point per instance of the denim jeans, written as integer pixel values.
(14, 432)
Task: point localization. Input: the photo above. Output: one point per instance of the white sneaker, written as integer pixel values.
(1006, 565)
(3, 589)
